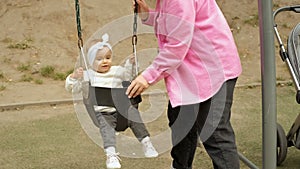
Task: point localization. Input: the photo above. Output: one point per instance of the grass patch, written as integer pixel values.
(2, 87)
(7, 60)
(26, 78)
(50, 72)
(253, 20)
(39, 139)
(1, 75)
(24, 67)
(59, 76)
(29, 78)
(38, 81)
(25, 44)
(47, 71)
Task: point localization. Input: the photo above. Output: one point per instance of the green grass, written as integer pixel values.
(22, 44)
(50, 72)
(252, 20)
(47, 71)
(24, 67)
(38, 81)
(26, 78)
(25, 44)
(247, 120)
(60, 76)
(44, 137)
(2, 87)
(1, 75)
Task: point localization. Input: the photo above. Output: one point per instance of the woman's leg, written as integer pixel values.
(184, 134)
(217, 135)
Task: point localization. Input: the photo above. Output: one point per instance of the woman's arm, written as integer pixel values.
(146, 14)
(175, 28)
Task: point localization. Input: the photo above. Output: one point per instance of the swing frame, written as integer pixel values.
(102, 96)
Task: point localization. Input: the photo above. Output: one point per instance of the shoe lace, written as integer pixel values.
(148, 146)
(116, 155)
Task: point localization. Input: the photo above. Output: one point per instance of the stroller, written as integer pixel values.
(291, 57)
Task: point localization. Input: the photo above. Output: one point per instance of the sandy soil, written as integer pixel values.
(46, 30)
(36, 34)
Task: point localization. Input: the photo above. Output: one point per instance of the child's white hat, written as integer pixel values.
(92, 52)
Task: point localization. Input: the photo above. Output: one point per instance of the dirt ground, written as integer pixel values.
(37, 33)
(40, 34)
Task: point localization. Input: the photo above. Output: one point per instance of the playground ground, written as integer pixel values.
(52, 137)
(38, 43)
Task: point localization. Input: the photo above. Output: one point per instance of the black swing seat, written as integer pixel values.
(112, 97)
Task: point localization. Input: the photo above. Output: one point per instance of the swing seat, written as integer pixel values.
(112, 97)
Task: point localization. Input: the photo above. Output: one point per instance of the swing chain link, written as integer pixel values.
(134, 36)
(134, 40)
(80, 41)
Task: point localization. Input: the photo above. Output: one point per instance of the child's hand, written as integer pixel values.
(132, 59)
(78, 73)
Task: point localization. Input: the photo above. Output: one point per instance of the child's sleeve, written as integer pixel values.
(72, 85)
(128, 70)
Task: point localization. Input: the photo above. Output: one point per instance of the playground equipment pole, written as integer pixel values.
(268, 76)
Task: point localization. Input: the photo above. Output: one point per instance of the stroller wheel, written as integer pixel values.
(281, 145)
(297, 142)
(298, 97)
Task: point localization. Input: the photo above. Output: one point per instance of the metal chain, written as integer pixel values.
(80, 41)
(134, 38)
(134, 34)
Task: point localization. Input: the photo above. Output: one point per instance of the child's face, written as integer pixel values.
(103, 60)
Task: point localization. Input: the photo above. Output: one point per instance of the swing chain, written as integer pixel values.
(80, 41)
(134, 37)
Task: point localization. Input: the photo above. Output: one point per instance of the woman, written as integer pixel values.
(199, 62)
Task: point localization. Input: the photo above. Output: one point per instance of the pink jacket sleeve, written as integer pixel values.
(151, 18)
(174, 26)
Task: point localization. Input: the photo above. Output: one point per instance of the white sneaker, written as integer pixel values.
(148, 148)
(112, 161)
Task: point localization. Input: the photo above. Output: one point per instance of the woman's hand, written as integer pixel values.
(143, 8)
(137, 86)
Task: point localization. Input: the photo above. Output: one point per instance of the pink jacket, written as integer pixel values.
(197, 52)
